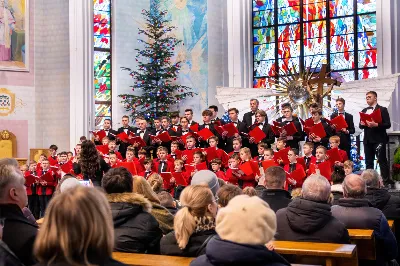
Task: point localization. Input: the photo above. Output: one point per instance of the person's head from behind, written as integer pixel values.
(206, 177)
(12, 188)
(226, 193)
(246, 220)
(156, 182)
(71, 230)
(348, 167)
(338, 175)
(166, 200)
(117, 180)
(142, 187)
(316, 188)
(275, 178)
(250, 191)
(372, 178)
(354, 187)
(198, 204)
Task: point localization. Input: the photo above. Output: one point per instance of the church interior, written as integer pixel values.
(68, 67)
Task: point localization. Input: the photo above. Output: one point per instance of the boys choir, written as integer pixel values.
(177, 147)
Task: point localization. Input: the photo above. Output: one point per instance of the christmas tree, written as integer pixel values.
(156, 74)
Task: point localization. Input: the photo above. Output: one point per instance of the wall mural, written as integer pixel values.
(14, 35)
(190, 18)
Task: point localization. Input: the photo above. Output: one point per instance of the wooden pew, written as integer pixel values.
(150, 260)
(327, 253)
(365, 241)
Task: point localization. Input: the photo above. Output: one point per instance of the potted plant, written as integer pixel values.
(396, 168)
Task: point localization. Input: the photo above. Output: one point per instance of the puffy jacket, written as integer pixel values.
(194, 248)
(359, 214)
(276, 198)
(222, 252)
(310, 221)
(136, 230)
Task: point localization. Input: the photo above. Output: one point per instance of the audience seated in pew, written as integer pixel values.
(356, 212)
(18, 233)
(194, 223)
(309, 218)
(77, 230)
(167, 201)
(136, 230)
(274, 193)
(242, 243)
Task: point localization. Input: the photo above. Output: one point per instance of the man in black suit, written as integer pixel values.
(110, 133)
(344, 134)
(316, 116)
(123, 146)
(375, 137)
(189, 116)
(214, 111)
(144, 132)
(166, 125)
(249, 118)
(241, 127)
(261, 122)
(287, 118)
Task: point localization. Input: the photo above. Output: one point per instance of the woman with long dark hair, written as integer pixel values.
(90, 164)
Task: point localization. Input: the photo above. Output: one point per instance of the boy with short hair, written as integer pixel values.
(308, 148)
(45, 189)
(112, 146)
(216, 168)
(53, 155)
(221, 154)
(226, 193)
(187, 154)
(105, 141)
(232, 174)
(175, 152)
(162, 164)
(112, 158)
(320, 154)
(148, 168)
(280, 144)
(292, 166)
(334, 142)
(268, 154)
(261, 147)
(206, 114)
(237, 145)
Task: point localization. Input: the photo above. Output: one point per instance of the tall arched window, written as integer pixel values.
(294, 34)
(102, 60)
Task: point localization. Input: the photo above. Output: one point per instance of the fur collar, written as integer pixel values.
(132, 198)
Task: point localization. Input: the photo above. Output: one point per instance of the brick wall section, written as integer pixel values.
(52, 73)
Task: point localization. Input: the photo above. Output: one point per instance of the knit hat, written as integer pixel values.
(69, 183)
(246, 220)
(206, 177)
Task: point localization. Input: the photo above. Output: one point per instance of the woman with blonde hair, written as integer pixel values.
(156, 182)
(162, 215)
(194, 224)
(77, 230)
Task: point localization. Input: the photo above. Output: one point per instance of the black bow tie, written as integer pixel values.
(185, 130)
(260, 124)
(141, 131)
(370, 108)
(253, 113)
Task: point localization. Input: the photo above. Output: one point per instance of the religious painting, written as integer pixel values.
(14, 35)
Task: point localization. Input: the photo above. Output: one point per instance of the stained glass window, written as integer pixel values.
(289, 35)
(102, 60)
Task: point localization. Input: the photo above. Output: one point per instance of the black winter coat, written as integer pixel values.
(223, 252)
(276, 198)
(382, 200)
(7, 257)
(136, 230)
(359, 214)
(194, 248)
(310, 221)
(18, 233)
